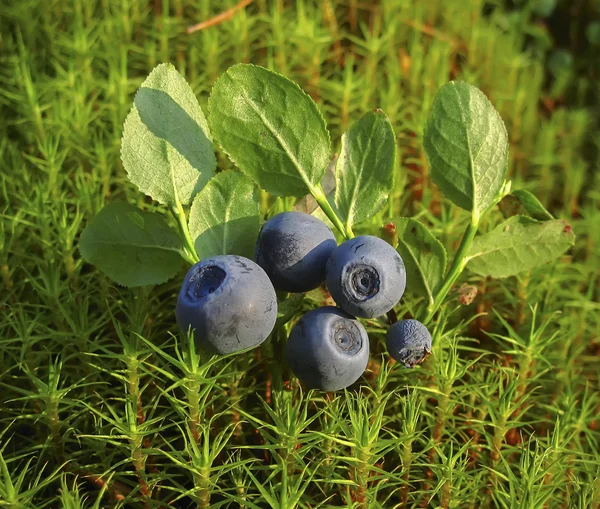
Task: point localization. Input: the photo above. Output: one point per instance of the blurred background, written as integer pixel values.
(69, 69)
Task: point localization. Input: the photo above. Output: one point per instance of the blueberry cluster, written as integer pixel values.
(230, 301)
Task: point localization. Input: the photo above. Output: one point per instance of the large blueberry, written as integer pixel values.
(229, 301)
(293, 249)
(409, 342)
(328, 349)
(366, 276)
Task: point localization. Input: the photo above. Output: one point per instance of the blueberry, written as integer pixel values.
(293, 249)
(366, 276)
(229, 301)
(328, 349)
(409, 342)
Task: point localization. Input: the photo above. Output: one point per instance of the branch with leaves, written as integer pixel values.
(276, 136)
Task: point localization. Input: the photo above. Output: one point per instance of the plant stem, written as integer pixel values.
(522, 283)
(189, 253)
(187, 257)
(406, 464)
(203, 482)
(319, 195)
(193, 400)
(442, 412)
(136, 440)
(349, 232)
(361, 473)
(458, 265)
(446, 491)
(54, 424)
(498, 440)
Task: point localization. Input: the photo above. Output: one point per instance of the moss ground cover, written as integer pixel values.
(105, 404)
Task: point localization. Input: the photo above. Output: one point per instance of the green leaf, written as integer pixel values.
(424, 257)
(467, 146)
(270, 128)
(167, 148)
(532, 205)
(225, 216)
(287, 308)
(365, 168)
(132, 247)
(521, 202)
(519, 244)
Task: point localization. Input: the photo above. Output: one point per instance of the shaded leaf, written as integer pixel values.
(307, 203)
(167, 148)
(132, 247)
(522, 202)
(424, 257)
(519, 244)
(225, 216)
(288, 308)
(467, 146)
(270, 128)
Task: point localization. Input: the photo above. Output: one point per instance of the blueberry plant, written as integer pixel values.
(277, 138)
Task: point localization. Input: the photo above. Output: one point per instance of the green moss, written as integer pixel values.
(503, 414)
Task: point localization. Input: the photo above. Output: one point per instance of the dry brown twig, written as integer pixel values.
(220, 18)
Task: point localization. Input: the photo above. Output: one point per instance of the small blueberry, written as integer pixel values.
(409, 342)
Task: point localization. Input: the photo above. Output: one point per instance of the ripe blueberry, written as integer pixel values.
(293, 249)
(328, 349)
(229, 301)
(366, 276)
(409, 342)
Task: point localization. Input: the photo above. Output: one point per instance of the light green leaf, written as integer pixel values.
(532, 205)
(167, 148)
(270, 128)
(132, 247)
(467, 146)
(519, 244)
(424, 257)
(521, 202)
(365, 168)
(225, 216)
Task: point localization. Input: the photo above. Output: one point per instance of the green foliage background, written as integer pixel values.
(100, 407)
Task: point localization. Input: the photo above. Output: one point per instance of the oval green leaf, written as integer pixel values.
(365, 168)
(424, 257)
(167, 149)
(467, 146)
(522, 202)
(132, 247)
(532, 205)
(270, 128)
(518, 244)
(225, 216)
